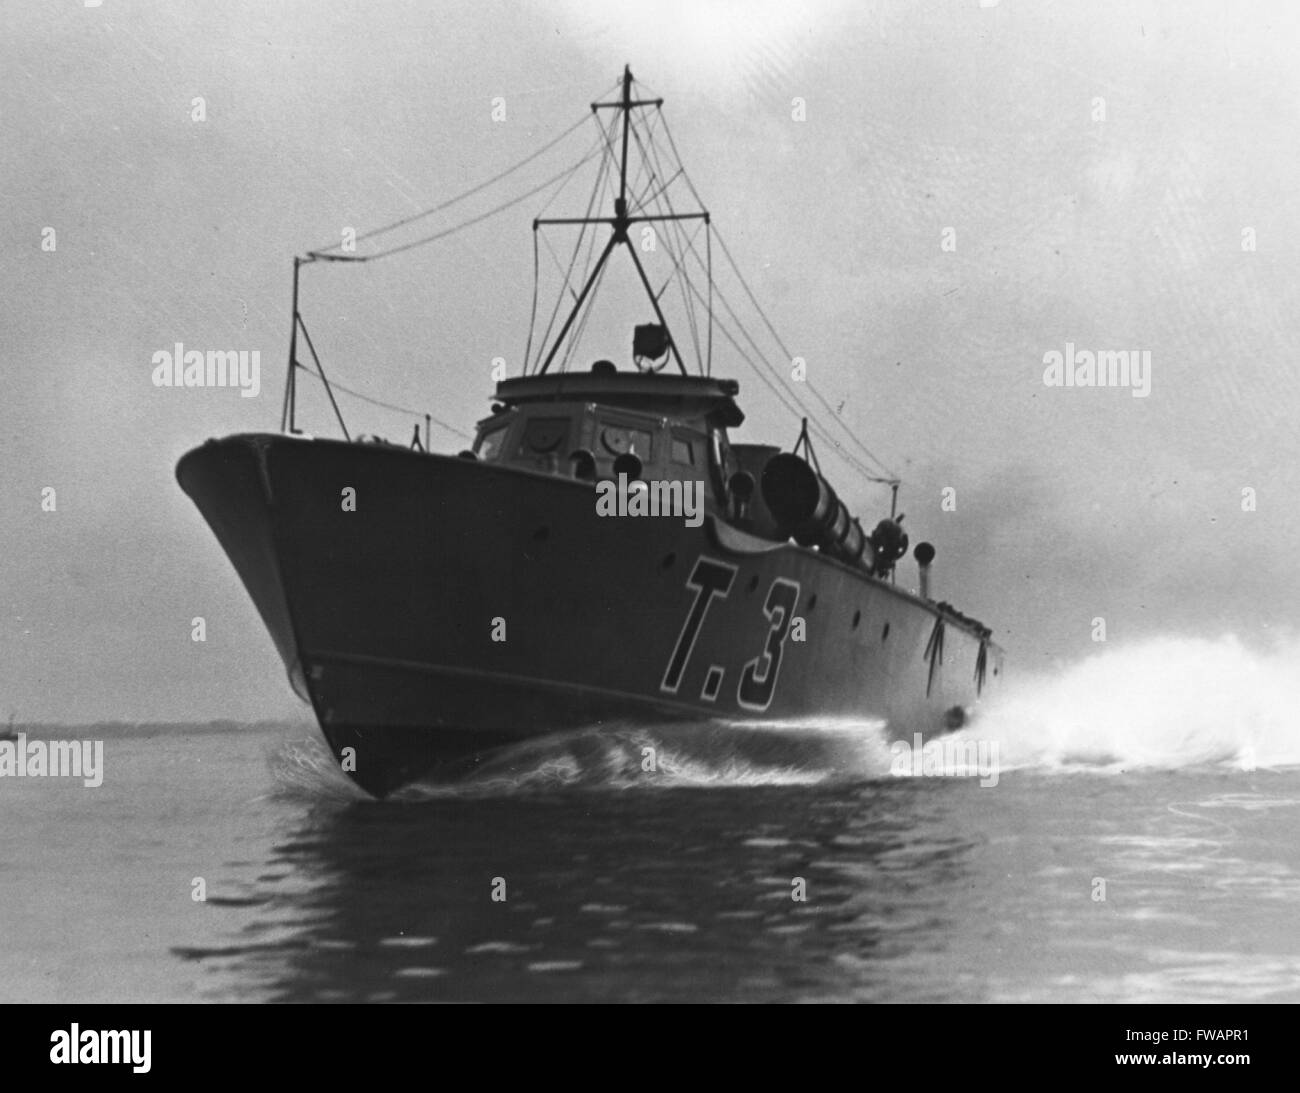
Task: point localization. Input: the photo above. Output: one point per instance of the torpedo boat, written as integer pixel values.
(606, 550)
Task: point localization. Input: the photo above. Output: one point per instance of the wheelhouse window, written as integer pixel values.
(684, 450)
(545, 436)
(492, 441)
(616, 439)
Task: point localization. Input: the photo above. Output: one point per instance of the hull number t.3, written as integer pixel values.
(713, 579)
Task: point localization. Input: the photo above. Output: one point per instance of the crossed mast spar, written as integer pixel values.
(620, 222)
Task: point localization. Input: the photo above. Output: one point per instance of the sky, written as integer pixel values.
(927, 198)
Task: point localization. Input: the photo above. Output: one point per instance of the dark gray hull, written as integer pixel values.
(387, 617)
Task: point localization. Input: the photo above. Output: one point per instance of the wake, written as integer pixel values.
(1168, 703)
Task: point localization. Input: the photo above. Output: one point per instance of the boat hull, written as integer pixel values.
(434, 609)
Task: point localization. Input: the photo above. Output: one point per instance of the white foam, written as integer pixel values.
(1169, 702)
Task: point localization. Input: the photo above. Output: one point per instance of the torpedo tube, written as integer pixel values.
(807, 510)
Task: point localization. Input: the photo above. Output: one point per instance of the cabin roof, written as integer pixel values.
(674, 396)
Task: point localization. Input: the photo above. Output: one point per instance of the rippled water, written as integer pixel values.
(624, 885)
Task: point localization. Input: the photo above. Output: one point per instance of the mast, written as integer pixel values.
(619, 222)
(620, 206)
(291, 380)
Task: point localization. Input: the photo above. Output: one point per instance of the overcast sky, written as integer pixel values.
(1122, 231)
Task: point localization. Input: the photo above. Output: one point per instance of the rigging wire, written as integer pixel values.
(684, 283)
(532, 320)
(740, 326)
(676, 228)
(776, 337)
(687, 250)
(566, 176)
(385, 405)
(577, 248)
(785, 397)
(532, 317)
(588, 308)
(605, 187)
(457, 227)
(708, 244)
(559, 266)
(461, 196)
(320, 368)
(767, 322)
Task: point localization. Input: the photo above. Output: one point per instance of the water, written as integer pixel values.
(1169, 771)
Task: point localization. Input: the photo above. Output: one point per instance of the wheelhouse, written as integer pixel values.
(586, 425)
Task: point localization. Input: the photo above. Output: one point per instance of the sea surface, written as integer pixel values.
(1141, 843)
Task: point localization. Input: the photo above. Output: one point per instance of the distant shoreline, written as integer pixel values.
(38, 728)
